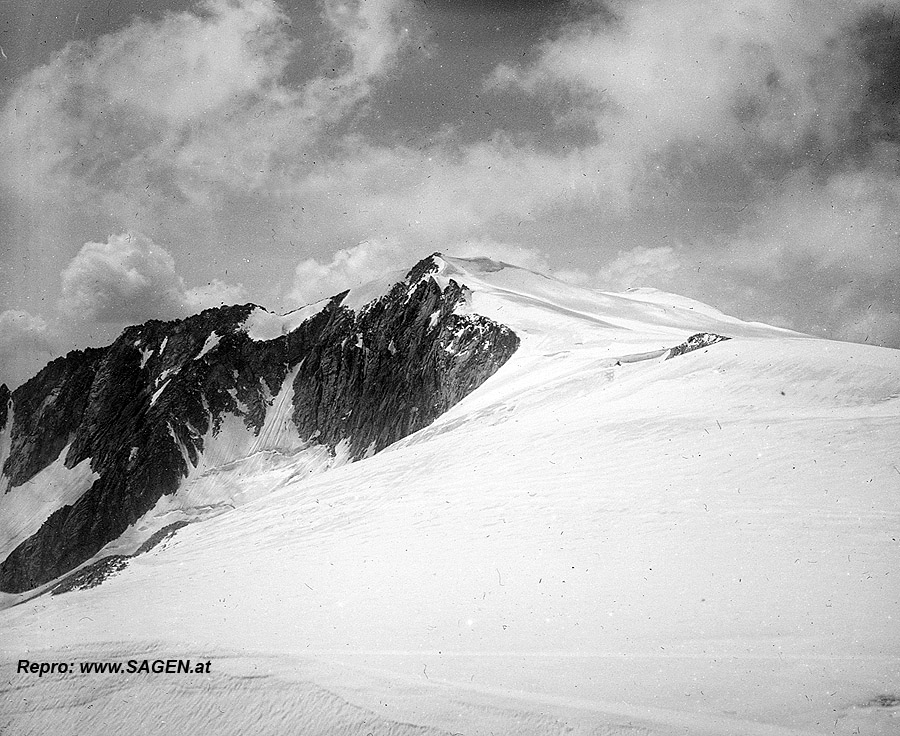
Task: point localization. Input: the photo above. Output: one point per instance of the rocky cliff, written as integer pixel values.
(141, 410)
(4, 405)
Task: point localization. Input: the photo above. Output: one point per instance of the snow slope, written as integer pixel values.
(597, 541)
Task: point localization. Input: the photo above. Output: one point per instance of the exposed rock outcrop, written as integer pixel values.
(4, 405)
(48, 410)
(90, 576)
(140, 409)
(695, 342)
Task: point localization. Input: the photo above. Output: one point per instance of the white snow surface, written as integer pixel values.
(211, 341)
(162, 387)
(596, 541)
(263, 325)
(237, 465)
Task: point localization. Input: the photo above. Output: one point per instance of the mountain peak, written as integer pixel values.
(338, 380)
(129, 433)
(553, 488)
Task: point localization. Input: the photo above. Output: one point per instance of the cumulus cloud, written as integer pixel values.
(26, 343)
(128, 280)
(348, 267)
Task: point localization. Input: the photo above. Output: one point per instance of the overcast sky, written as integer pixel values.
(161, 156)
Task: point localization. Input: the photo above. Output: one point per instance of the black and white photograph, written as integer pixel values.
(450, 367)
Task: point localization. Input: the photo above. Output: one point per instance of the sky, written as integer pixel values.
(159, 157)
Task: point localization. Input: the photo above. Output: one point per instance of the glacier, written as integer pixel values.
(596, 540)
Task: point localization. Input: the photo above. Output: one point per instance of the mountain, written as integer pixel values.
(112, 431)
(610, 514)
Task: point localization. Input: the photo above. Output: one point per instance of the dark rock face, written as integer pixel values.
(695, 342)
(139, 409)
(378, 376)
(48, 409)
(4, 405)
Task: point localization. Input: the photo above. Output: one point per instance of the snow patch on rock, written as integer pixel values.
(211, 341)
(25, 508)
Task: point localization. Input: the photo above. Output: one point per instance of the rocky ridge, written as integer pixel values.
(141, 410)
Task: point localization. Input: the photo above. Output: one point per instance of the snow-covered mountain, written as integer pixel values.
(104, 442)
(571, 512)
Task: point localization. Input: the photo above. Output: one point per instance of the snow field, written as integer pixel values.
(705, 545)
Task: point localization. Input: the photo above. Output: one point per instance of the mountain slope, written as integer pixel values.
(145, 412)
(596, 541)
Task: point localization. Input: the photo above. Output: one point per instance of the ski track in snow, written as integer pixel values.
(706, 545)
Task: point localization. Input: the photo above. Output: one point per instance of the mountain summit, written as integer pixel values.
(114, 430)
(546, 509)
(102, 438)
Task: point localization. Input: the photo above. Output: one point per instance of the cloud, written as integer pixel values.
(214, 294)
(639, 266)
(193, 129)
(195, 103)
(697, 107)
(514, 254)
(348, 267)
(759, 136)
(831, 253)
(818, 255)
(128, 280)
(850, 221)
(373, 259)
(530, 258)
(25, 344)
(737, 72)
(370, 34)
(876, 325)
(136, 104)
(189, 65)
(445, 193)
